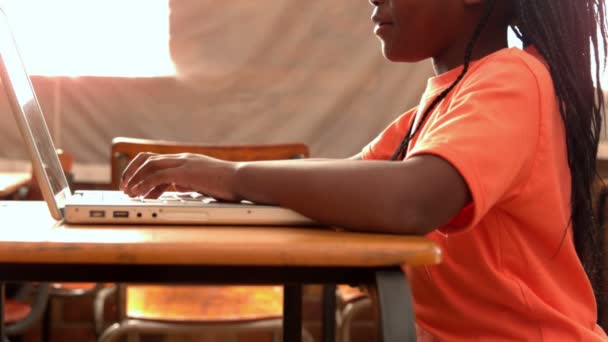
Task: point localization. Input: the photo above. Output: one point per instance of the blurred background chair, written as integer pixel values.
(25, 308)
(12, 184)
(170, 309)
(65, 291)
(351, 302)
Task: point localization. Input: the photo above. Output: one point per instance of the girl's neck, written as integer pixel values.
(492, 40)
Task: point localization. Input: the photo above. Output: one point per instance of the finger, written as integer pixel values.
(150, 182)
(135, 163)
(151, 165)
(157, 192)
(181, 188)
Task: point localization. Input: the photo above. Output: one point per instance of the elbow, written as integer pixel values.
(421, 215)
(404, 220)
(425, 213)
(415, 221)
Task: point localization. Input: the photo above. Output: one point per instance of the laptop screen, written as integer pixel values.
(30, 119)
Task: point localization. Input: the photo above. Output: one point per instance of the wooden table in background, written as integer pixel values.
(35, 247)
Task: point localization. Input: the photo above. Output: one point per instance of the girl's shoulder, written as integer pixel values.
(515, 68)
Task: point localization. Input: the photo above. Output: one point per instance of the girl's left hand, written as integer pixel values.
(150, 174)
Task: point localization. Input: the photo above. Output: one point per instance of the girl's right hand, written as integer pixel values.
(151, 174)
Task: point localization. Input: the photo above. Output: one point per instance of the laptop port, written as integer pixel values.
(121, 214)
(97, 213)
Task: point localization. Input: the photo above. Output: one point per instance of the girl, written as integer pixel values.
(495, 164)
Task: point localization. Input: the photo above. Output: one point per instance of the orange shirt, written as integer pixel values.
(510, 271)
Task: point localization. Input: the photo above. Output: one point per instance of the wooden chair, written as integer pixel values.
(162, 309)
(125, 149)
(20, 313)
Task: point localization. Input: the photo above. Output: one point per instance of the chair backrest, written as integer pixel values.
(125, 149)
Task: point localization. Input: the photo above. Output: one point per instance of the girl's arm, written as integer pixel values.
(411, 197)
(408, 197)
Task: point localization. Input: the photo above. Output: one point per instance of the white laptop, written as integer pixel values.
(112, 207)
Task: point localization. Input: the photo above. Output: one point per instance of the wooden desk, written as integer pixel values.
(11, 181)
(34, 247)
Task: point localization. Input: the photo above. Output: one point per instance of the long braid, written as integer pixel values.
(565, 32)
(402, 148)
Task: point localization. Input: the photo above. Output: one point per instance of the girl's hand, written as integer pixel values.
(150, 174)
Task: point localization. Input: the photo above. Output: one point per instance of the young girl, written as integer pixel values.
(495, 164)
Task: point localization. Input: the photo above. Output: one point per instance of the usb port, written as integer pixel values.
(97, 213)
(121, 214)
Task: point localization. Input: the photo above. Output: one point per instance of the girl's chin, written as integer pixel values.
(394, 56)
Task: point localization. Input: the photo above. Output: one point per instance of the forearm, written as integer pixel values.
(360, 195)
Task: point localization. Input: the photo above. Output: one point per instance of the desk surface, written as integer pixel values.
(11, 181)
(28, 234)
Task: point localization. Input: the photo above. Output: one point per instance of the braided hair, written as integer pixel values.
(565, 33)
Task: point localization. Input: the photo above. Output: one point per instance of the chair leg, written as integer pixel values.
(98, 307)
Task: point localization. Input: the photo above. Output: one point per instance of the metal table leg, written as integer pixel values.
(292, 313)
(397, 321)
(329, 313)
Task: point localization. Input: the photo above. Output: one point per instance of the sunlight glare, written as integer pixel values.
(126, 38)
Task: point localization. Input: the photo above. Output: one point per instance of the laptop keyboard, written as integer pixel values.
(184, 197)
(167, 197)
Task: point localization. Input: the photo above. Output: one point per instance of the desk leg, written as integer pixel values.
(397, 320)
(329, 313)
(2, 329)
(292, 313)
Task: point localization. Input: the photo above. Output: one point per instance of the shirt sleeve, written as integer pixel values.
(489, 132)
(384, 145)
